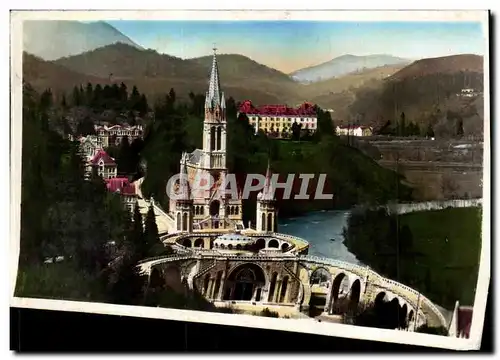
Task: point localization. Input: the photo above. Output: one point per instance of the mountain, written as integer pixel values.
(343, 65)
(125, 61)
(43, 74)
(428, 92)
(53, 39)
(441, 65)
(155, 73)
(338, 93)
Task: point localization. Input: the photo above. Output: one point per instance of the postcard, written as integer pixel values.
(325, 172)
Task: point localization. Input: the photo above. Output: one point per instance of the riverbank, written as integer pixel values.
(436, 252)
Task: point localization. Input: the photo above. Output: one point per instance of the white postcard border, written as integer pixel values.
(295, 325)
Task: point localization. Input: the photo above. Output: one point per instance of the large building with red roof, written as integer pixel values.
(105, 165)
(125, 188)
(277, 120)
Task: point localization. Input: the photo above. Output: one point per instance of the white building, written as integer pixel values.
(279, 119)
(354, 131)
(113, 135)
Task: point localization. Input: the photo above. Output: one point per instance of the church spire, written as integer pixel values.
(214, 95)
(183, 180)
(268, 191)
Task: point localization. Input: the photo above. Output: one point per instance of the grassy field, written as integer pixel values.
(450, 243)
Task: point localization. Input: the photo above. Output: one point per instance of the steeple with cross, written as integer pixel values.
(214, 126)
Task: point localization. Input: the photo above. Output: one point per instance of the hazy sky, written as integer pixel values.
(291, 45)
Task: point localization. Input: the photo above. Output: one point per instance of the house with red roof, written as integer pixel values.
(105, 165)
(278, 119)
(126, 189)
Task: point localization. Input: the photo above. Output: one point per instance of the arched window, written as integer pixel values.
(179, 221)
(185, 221)
(219, 137)
(237, 210)
(272, 287)
(269, 226)
(263, 221)
(284, 285)
(212, 138)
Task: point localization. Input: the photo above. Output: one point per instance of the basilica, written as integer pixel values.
(199, 203)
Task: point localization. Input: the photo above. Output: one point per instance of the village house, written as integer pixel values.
(356, 130)
(279, 119)
(126, 189)
(89, 146)
(104, 164)
(113, 135)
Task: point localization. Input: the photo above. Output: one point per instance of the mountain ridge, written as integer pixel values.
(343, 65)
(53, 39)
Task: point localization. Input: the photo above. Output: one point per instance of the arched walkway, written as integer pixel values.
(340, 286)
(198, 243)
(186, 242)
(284, 247)
(244, 282)
(273, 244)
(155, 279)
(320, 275)
(260, 244)
(172, 276)
(354, 295)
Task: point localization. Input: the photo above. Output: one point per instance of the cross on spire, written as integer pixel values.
(214, 48)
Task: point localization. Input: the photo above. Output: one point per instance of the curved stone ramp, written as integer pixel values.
(163, 220)
(430, 312)
(433, 315)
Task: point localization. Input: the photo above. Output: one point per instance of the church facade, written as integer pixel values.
(203, 206)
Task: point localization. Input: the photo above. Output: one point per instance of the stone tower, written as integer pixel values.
(183, 202)
(266, 206)
(214, 125)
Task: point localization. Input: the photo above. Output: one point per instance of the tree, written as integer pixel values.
(171, 95)
(64, 105)
(89, 94)
(296, 127)
(123, 159)
(97, 98)
(430, 131)
(123, 96)
(134, 99)
(77, 100)
(150, 231)
(142, 106)
(137, 233)
(402, 125)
